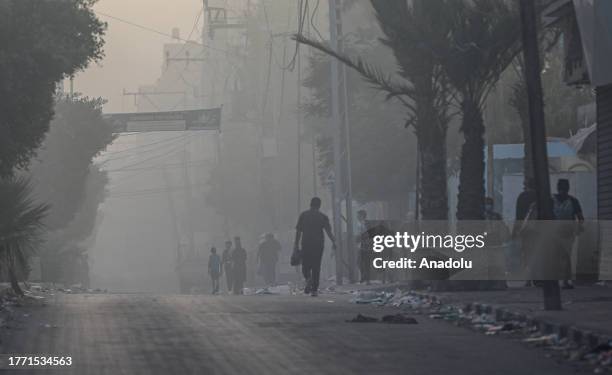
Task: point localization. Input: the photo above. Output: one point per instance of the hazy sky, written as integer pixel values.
(133, 55)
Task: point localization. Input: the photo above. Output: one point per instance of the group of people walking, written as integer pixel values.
(313, 225)
(232, 262)
(568, 218)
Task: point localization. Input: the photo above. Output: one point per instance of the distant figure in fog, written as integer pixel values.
(309, 233)
(365, 249)
(226, 259)
(567, 209)
(267, 257)
(239, 259)
(525, 212)
(497, 236)
(497, 232)
(214, 269)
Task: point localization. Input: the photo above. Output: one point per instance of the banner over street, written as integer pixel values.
(200, 119)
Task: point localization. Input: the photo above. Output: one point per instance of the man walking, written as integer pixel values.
(226, 259)
(239, 259)
(214, 269)
(309, 234)
(566, 208)
(522, 231)
(267, 257)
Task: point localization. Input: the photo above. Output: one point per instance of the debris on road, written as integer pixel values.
(368, 297)
(543, 340)
(288, 289)
(362, 319)
(399, 319)
(599, 359)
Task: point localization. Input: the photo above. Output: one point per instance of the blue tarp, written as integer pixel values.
(517, 151)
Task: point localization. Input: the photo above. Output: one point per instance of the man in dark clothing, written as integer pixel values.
(567, 209)
(497, 232)
(525, 200)
(226, 260)
(497, 235)
(267, 257)
(309, 233)
(239, 259)
(525, 203)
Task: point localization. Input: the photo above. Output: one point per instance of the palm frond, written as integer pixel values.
(372, 74)
(21, 221)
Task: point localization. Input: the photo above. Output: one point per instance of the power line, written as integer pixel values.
(129, 177)
(134, 193)
(150, 29)
(301, 17)
(151, 158)
(312, 17)
(161, 167)
(142, 146)
(193, 28)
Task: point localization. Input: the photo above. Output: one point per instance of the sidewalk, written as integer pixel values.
(586, 316)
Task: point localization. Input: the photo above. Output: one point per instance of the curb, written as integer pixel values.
(573, 334)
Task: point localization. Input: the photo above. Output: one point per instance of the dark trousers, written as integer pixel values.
(311, 266)
(238, 287)
(364, 265)
(238, 277)
(215, 283)
(228, 278)
(268, 271)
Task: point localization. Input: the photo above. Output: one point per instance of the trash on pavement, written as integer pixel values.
(372, 297)
(399, 319)
(543, 340)
(275, 290)
(362, 319)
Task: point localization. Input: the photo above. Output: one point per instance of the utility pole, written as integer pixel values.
(348, 170)
(335, 124)
(299, 131)
(208, 21)
(550, 288)
(341, 136)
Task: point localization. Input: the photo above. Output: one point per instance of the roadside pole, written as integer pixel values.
(341, 130)
(537, 128)
(335, 124)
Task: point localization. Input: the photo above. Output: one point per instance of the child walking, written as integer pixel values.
(214, 269)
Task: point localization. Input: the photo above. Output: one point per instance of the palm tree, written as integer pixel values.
(416, 33)
(20, 227)
(485, 39)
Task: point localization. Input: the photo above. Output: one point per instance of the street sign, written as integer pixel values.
(199, 119)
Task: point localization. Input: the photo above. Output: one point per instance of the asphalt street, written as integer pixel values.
(184, 334)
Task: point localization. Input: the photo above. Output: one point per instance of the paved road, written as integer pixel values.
(171, 334)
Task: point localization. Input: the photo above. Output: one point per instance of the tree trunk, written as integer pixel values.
(432, 146)
(527, 156)
(523, 112)
(470, 205)
(13, 279)
(520, 104)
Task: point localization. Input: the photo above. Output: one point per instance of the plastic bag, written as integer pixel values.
(296, 257)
